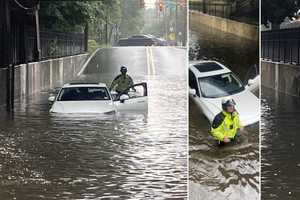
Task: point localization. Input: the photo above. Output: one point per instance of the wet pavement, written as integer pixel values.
(123, 156)
(280, 146)
(231, 172)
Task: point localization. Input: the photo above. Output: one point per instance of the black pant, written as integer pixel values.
(233, 140)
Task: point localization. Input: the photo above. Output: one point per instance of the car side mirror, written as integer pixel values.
(192, 92)
(51, 98)
(123, 98)
(250, 82)
(114, 95)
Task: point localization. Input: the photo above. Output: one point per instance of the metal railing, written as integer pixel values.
(52, 45)
(56, 44)
(281, 45)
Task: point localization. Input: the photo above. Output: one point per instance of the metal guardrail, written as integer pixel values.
(281, 45)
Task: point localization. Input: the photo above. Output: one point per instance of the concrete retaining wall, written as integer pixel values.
(239, 29)
(281, 77)
(3, 77)
(38, 76)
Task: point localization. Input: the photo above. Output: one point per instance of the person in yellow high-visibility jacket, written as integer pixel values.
(226, 124)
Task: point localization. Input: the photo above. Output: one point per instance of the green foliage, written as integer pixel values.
(132, 19)
(53, 48)
(64, 15)
(276, 10)
(93, 46)
(106, 18)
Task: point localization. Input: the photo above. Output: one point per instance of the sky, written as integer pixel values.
(150, 3)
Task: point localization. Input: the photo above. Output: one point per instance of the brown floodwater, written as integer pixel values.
(231, 172)
(280, 146)
(123, 156)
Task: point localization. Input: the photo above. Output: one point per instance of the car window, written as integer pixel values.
(138, 36)
(136, 91)
(220, 85)
(193, 82)
(83, 94)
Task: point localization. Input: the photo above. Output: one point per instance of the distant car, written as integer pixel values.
(137, 40)
(96, 98)
(161, 42)
(210, 82)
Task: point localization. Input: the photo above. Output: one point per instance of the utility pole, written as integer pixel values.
(166, 22)
(176, 21)
(86, 37)
(8, 57)
(37, 50)
(106, 27)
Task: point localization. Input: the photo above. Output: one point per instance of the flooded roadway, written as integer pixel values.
(231, 172)
(280, 146)
(127, 156)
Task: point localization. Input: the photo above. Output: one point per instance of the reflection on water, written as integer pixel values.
(231, 172)
(280, 146)
(127, 156)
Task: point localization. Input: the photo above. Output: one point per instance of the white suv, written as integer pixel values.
(96, 98)
(210, 82)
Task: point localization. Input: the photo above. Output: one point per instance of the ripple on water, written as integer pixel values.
(127, 156)
(231, 172)
(280, 146)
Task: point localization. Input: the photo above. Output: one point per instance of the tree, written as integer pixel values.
(105, 21)
(132, 20)
(106, 18)
(276, 10)
(64, 15)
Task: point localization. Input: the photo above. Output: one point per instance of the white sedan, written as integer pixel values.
(96, 98)
(210, 82)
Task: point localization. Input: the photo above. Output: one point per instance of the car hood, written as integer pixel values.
(82, 107)
(247, 105)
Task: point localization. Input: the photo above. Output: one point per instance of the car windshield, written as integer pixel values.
(83, 94)
(220, 85)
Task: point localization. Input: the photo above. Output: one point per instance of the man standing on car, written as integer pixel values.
(122, 82)
(226, 124)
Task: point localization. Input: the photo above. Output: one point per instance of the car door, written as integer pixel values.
(193, 84)
(137, 99)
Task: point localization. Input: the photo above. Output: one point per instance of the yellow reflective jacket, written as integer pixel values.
(121, 82)
(225, 125)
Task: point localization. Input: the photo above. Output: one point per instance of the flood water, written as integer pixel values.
(280, 146)
(123, 156)
(231, 172)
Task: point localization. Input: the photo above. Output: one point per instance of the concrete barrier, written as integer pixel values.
(239, 29)
(3, 85)
(281, 77)
(38, 76)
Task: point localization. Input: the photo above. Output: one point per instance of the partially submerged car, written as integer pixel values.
(210, 82)
(96, 98)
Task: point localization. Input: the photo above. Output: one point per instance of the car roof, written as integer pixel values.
(205, 68)
(79, 84)
(140, 36)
